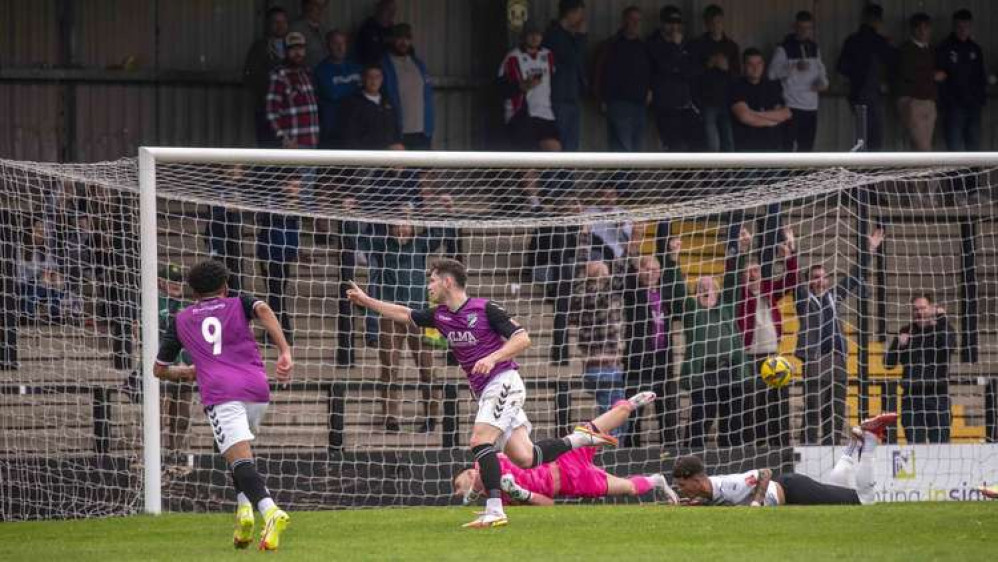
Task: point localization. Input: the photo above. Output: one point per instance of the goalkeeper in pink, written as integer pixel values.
(572, 475)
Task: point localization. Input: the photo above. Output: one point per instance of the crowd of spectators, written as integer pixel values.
(313, 88)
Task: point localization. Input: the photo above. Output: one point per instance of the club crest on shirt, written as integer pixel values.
(472, 319)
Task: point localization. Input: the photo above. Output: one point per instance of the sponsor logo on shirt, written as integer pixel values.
(463, 339)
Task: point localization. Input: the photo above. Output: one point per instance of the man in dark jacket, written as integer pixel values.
(821, 345)
(264, 56)
(865, 58)
(923, 349)
(647, 353)
(374, 33)
(915, 85)
(568, 45)
(672, 81)
(369, 121)
(718, 65)
(963, 93)
(623, 84)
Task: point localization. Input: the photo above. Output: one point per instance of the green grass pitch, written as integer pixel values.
(926, 531)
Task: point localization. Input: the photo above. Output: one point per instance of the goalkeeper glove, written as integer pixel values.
(513, 490)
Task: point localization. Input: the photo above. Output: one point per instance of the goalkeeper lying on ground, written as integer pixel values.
(572, 475)
(852, 477)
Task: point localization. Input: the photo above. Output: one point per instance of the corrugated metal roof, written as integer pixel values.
(30, 32)
(462, 39)
(30, 128)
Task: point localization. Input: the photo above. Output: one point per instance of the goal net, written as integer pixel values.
(873, 275)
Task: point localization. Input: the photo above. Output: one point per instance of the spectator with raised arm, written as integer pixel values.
(821, 345)
(673, 73)
(718, 65)
(714, 365)
(865, 60)
(407, 86)
(623, 84)
(265, 55)
(923, 349)
(797, 65)
(336, 78)
(917, 83)
(566, 38)
(757, 310)
(292, 108)
(758, 107)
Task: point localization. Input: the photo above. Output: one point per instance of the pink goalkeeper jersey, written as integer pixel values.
(537, 480)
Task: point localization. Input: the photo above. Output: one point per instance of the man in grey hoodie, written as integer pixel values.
(797, 65)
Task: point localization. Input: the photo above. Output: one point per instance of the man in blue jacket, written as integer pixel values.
(336, 78)
(408, 88)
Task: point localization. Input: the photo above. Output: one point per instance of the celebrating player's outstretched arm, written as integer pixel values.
(484, 339)
(390, 310)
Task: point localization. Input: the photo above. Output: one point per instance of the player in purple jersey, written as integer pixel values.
(216, 331)
(484, 339)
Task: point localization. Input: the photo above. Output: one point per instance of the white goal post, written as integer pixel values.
(152, 157)
(630, 272)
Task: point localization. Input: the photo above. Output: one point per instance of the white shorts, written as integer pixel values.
(232, 422)
(501, 405)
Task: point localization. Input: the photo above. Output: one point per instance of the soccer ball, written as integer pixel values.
(776, 371)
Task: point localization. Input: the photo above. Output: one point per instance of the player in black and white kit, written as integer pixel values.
(853, 481)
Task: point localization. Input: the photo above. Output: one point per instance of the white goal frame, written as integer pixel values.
(149, 157)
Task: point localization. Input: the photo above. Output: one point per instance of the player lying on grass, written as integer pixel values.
(217, 334)
(852, 477)
(484, 339)
(572, 475)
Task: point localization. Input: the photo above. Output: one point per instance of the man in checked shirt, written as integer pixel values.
(292, 109)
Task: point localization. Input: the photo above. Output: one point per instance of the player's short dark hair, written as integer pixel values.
(873, 12)
(371, 67)
(925, 295)
(804, 16)
(918, 19)
(963, 14)
(712, 11)
(813, 267)
(751, 52)
(687, 467)
(453, 268)
(208, 277)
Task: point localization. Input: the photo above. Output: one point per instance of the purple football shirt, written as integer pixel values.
(218, 336)
(475, 330)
